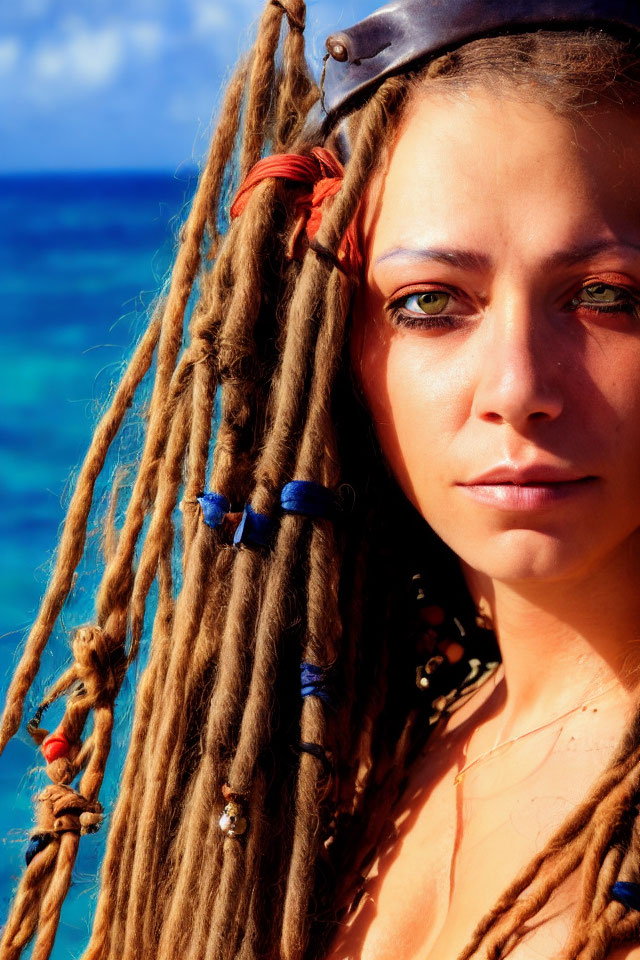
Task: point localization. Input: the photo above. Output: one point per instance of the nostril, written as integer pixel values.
(492, 416)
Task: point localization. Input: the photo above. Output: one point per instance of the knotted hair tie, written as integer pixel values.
(627, 893)
(304, 497)
(315, 750)
(314, 682)
(324, 174)
(254, 529)
(61, 809)
(37, 843)
(309, 498)
(215, 507)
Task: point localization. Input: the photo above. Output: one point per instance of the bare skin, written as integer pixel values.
(497, 342)
(453, 848)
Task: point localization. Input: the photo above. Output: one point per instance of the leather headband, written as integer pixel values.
(406, 32)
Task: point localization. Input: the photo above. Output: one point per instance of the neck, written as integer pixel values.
(563, 641)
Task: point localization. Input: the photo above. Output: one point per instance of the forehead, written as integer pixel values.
(483, 168)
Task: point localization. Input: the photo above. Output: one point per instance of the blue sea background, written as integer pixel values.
(81, 259)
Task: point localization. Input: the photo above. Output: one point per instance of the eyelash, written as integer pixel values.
(413, 321)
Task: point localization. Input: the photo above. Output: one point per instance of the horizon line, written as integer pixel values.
(188, 168)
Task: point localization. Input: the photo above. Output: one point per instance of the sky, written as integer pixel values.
(126, 84)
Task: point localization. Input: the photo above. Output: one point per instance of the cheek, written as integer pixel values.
(610, 399)
(415, 409)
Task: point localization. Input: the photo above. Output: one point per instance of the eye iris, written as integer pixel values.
(432, 301)
(601, 293)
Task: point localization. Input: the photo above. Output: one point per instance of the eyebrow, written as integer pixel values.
(465, 259)
(473, 260)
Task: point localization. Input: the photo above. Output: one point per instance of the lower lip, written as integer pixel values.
(515, 496)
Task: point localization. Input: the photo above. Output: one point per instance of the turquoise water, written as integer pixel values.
(81, 257)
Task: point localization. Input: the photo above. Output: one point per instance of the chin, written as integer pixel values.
(524, 556)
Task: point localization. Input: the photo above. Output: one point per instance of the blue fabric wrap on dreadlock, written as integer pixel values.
(308, 498)
(254, 529)
(314, 683)
(37, 843)
(215, 507)
(627, 893)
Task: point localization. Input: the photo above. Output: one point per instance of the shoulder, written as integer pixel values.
(625, 952)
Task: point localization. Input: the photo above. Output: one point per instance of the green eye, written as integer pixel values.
(430, 302)
(600, 293)
(606, 298)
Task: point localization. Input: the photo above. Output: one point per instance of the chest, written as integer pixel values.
(453, 848)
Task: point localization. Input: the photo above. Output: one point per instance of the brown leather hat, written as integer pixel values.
(407, 32)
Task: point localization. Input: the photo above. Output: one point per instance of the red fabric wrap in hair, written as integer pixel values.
(324, 174)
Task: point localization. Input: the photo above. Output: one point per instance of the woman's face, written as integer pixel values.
(497, 338)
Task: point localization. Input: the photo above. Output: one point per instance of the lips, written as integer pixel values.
(535, 486)
(534, 474)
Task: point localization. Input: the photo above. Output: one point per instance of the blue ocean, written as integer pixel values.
(81, 259)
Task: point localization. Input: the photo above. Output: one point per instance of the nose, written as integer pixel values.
(520, 378)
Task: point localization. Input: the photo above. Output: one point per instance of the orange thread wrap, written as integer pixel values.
(324, 174)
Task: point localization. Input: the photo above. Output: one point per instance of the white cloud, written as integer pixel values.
(49, 62)
(32, 9)
(146, 36)
(9, 53)
(211, 18)
(86, 55)
(215, 17)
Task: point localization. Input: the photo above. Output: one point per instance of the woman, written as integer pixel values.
(426, 375)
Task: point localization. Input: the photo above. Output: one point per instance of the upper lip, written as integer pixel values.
(530, 473)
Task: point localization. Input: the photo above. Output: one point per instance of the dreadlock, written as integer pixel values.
(219, 721)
